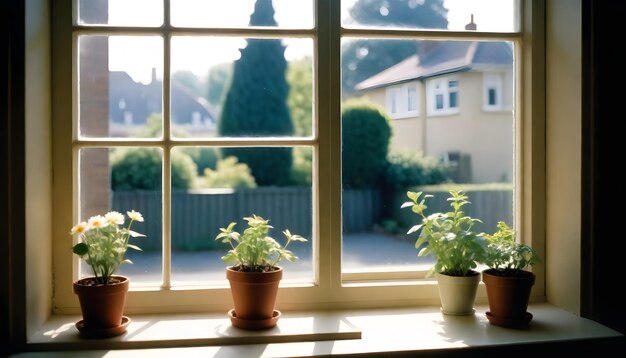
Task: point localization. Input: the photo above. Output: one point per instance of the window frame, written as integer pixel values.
(400, 96)
(441, 86)
(332, 289)
(493, 80)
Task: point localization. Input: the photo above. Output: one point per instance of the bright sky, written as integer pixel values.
(138, 56)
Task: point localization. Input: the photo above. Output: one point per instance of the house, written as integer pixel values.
(131, 103)
(453, 100)
(572, 187)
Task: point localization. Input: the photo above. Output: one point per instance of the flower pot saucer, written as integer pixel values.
(89, 332)
(509, 323)
(254, 324)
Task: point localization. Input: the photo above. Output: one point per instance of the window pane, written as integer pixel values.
(457, 15)
(120, 86)
(429, 151)
(233, 87)
(212, 187)
(214, 13)
(125, 179)
(120, 12)
(454, 100)
(492, 97)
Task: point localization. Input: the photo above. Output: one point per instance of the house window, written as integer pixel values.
(442, 96)
(188, 181)
(402, 101)
(496, 91)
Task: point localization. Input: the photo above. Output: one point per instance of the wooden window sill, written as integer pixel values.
(376, 332)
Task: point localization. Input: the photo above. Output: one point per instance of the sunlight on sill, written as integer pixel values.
(322, 333)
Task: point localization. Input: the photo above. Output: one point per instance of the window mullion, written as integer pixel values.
(167, 177)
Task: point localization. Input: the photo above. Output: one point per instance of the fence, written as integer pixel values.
(198, 215)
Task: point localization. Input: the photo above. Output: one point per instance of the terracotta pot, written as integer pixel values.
(508, 298)
(254, 296)
(457, 293)
(102, 306)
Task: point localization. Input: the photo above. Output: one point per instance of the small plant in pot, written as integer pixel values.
(507, 280)
(457, 249)
(255, 274)
(103, 242)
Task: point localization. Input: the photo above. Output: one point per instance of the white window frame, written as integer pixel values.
(398, 100)
(441, 86)
(332, 288)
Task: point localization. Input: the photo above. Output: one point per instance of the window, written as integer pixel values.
(497, 91)
(442, 96)
(402, 101)
(147, 95)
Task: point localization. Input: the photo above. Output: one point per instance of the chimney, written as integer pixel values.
(154, 77)
(471, 26)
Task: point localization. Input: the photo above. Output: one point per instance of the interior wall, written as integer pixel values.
(38, 165)
(563, 154)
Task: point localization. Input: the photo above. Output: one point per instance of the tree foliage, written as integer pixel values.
(300, 100)
(142, 169)
(256, 103)
(366, 133)
(218, 81)
(362, 59)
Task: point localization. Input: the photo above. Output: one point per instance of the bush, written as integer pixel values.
(141, 169)
(365, 141)
(409, 168)
(228, 174)
(301, 171)
(204, 157)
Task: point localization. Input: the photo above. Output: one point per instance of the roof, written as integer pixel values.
(442, 57)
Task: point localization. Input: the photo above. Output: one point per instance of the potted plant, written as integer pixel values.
(103, 242)
(457, 249)
(507, 280)
(255, 275)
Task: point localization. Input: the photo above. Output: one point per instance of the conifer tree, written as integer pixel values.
(256, 103)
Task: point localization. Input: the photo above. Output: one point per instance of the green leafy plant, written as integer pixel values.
(104, 241)
(255, 250)
(456, 248)
(505, 256)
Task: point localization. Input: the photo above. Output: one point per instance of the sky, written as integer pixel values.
(138, 56)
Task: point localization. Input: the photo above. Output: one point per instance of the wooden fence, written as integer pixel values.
(198, 215)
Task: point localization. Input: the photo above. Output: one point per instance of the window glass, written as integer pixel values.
(218, 13)
(232, 87)
(120, 86)
(120, 12)
(457, 15)
(383, 158)
(123, 179)
(214, 186)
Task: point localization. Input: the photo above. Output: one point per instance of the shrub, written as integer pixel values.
(228, 174)
(141, 169)
(302, 165)
(409, 168)
(204, 157)
(365, 140)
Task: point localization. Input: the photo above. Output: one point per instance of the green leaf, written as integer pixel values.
(414, 229)
(413, 195)
(80, 249)
(135, 234)
(134, 247)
